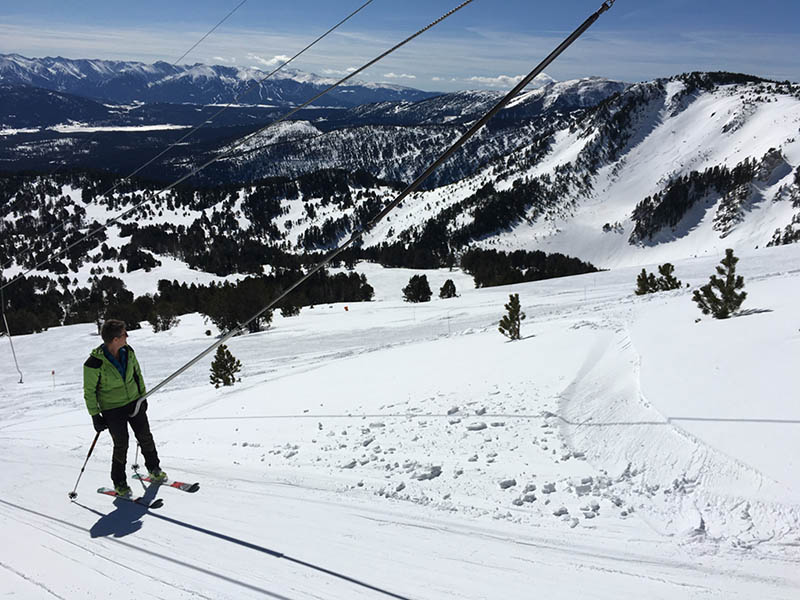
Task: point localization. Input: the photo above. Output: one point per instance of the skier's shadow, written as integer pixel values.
(125, 519)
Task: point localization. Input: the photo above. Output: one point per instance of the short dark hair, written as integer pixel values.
(111, 329)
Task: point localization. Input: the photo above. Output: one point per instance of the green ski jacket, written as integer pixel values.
(104, 387)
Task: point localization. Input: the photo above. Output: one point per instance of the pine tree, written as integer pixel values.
(645, 283)
(648, 283)
(163, 317)
(729, 300)
(224, 367)
(667, 281)
(510, 323)
(448, 290)
(290, 310)
(417, 290)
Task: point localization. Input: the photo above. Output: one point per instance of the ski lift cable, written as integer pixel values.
(234, 147)
(8, 332)
(392, 205)
(194, 129)
(210, 31)
(91, 137)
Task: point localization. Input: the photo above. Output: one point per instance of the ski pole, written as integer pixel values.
(136, 465)
(73, 494)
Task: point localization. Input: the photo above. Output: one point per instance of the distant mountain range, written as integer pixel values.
(127, 82)
(40, 128)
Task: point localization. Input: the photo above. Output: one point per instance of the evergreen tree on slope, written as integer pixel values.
(719, 297)
(224, 367)
(511, 322)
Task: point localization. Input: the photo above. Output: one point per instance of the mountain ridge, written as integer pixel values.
(129, 81)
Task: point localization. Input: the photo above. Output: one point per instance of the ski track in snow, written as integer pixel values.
(411, 449)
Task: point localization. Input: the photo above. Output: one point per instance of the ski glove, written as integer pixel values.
(99, 422)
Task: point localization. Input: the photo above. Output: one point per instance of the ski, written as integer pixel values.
(178, 485)
(157, 503)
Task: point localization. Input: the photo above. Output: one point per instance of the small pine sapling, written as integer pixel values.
(163, 317)
(510, 323)
(290, 311)
(726, 285)
(667, 281)
(648, 283)
(448, 290)
(224, 367)
(645, 283)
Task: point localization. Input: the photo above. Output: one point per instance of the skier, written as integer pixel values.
(112, 383)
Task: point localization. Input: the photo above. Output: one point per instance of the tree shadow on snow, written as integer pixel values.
(752, 311)
(125, 519)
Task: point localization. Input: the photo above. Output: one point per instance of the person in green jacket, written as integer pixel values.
(112, 383)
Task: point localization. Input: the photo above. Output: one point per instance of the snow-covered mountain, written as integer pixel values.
(666, 169)
(655, 172)
(375, 137)
(395, 140)
(128, 81)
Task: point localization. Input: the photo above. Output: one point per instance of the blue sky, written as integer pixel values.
(486, 44)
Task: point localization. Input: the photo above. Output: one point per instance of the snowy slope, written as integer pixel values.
(411, 448)
(694, 139)
(633, 146)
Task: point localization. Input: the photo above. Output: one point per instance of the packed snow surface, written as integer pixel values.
(620, 449)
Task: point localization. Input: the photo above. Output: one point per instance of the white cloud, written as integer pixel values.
(499, 81)
(507, 81)
(436, 79)
(399, 76)
(269, 62)
(346, 71)
(223, 60)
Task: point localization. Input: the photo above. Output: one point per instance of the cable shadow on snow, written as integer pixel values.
(125, 519)
(670, 421)
(277, 554)
(138, 548)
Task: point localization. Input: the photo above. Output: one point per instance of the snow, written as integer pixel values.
(735, 353)
(85, 128)
(11, 131)
(274, 134)
(412, 448)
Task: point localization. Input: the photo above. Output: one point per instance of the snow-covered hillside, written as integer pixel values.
(654, 172)
(621, 449)
(393, 140)
(635, 164)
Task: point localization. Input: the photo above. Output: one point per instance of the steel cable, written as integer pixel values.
(191, 132)
(231, 150)
(392, 205)
(241, 142)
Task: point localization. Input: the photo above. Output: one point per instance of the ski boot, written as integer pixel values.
(123, 489)
(157, 476)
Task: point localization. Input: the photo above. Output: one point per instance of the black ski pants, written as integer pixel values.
(117, 420)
